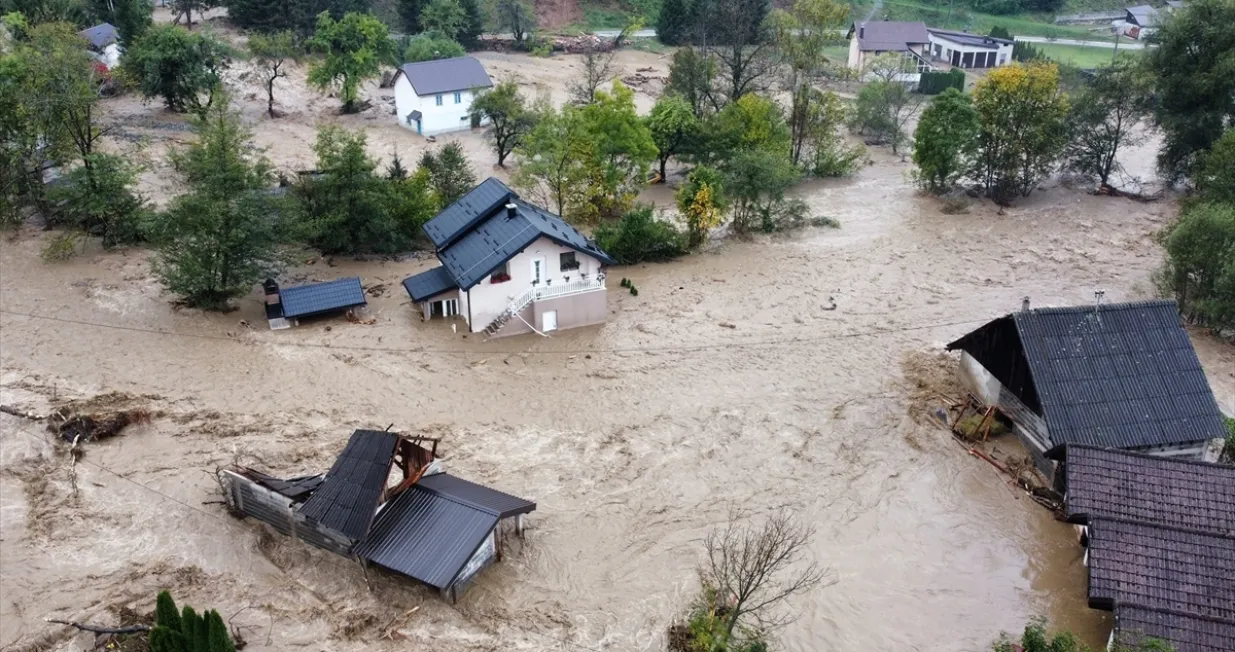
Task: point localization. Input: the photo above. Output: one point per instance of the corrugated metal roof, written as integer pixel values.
(1144, 15)
(429, 284)
(1161, 568)
(1118, 376)
(317, 298)
(972, 40)
(469, 210)
(347, 498)
(101, 35)
(1185, 633)
(502, 505)
(446, 75)
(1106, 483)
(427, 536)
(889, 36)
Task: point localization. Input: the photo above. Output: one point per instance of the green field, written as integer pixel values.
(1079, 55)
(938, 14)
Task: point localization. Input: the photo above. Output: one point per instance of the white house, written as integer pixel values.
(104, 43)
(435, 97)
(870, 39)
(509, 267)
(965, 50)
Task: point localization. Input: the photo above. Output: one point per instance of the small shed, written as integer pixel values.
(286, 306)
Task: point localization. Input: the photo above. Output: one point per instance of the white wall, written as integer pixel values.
(488, 300)
(1003, 55)
(436, 119)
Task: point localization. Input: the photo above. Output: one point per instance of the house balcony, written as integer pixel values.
(576, 286)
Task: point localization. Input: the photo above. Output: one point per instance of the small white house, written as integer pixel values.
(909, 39)
(965, 50)
(104, 43)
(435, 97)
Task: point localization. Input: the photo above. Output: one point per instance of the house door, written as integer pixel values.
(418, 125)
(538, 270)
(548, 321)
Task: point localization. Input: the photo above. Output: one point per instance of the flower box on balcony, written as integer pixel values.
(499, 278)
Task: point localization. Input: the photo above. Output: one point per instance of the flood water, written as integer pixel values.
(725, 384)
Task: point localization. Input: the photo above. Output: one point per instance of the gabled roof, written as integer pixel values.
(1107, 483)
(1184, 571)
(317, 298)
(1119, 375)
(972, 40)
(888, 36)
(431, 530)
(1185, 633)
(347, 498)
(101, 35)
(480, 234)
(445, 75)
(429, 284)
(1144, 15)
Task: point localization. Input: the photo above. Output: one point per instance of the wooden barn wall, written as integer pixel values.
(252, 499)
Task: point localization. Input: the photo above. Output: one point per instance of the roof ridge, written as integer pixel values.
(1175, 612)
(1147, 456)
(457, 500)
(1107, 307)
(1160, 526)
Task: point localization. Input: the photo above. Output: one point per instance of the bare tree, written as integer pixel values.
(753, 569)
(736, 35)
(597, 72)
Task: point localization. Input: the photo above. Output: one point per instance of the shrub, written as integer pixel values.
(428, 46)
(61, 246)
(934, 83)
(640, 237)
(1228, 451)
(1200, 264)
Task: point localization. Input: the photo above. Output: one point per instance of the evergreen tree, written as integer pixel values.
(999, 31)
(516, 17)
(473, 25)
(131, 17)
(673, 24)
(165, 612)
(449, 172)
(220, 640)
(409, 12)
(395, 171)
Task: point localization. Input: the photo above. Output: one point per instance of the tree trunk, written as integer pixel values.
(270, 96)
(663, 161)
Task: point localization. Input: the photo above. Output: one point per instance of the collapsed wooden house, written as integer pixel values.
(1159, 536)
(387, 501)
(1118, 376)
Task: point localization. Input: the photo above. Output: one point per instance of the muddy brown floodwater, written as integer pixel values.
(635, 438)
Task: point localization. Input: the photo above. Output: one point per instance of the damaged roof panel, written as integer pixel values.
(348, 496)
(495, 502)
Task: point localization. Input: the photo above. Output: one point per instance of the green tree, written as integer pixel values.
(182, 67)
(692, 76)
(702, 201)
(449, 172)
(883, 109)
(1026, 52)
(395, 171)
(801, 35)
(553, 157)
(1194, 83)
(945, 141)
(516, 17)
(130, 17)
(999, 31)
(1105, 117)
(271, 53)
(474, 25)
(1200, 264)
(97, 197)
(186, 8)
(165, 612)
(218, 239)
(220, 640)
(410, 203)
(508, 116)
(640, 238)
(1216, 177)
(824, 151)
(622, 151)
(300, 16)
(756, 180)
(409, 13)
(430, 46)
(64, 92)
(1036, 638)
(1023, 130)
(445, 16)
(192, 627)
(752, 123)
(38, 12)
(354, 49)
(673, 23)
(674, 128)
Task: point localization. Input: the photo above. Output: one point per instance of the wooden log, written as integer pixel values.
(98, 629)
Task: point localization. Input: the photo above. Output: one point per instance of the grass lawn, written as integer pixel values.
(939, 15)
(1079, 55)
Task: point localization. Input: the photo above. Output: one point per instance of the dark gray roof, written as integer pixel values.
(430, 534)
(1161, 568)
(972, 40)
(445, 75)
(888, 36)
(317, 298)
(481, 235)
(500, 504)
(347, 498)
(1184, 632)
(1120, 376)
(296, 488)
(456, 219)
(101, 35)
(429, 284)
(1144, 15)
(1107, 483)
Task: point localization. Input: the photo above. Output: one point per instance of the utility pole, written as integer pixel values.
(1116, 47)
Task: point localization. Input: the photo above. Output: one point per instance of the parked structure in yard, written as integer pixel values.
(1120, 376)
(286, 306)
(509, 267)
(872, 38)
(435, 97)
(387, 501)
(1139, 21)
(104, 43)
(965, 50)
(1160, 539)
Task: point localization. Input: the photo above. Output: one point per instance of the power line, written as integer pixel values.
(652, 349)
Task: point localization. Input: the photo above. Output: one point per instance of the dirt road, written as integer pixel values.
(635, 438)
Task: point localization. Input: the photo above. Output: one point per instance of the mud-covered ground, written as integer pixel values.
(725, 383)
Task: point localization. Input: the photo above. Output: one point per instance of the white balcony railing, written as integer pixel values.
(576, 286)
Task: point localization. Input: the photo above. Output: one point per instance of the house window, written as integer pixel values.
(501, 274)
(439, 99)
(568, 261)
(458, 97)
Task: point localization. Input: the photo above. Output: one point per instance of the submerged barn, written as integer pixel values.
(1118, 376)
(1160, 539)
(386, 501)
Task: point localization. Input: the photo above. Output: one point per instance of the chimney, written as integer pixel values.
(1025, 304)
(861, 31)
(511, 210)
